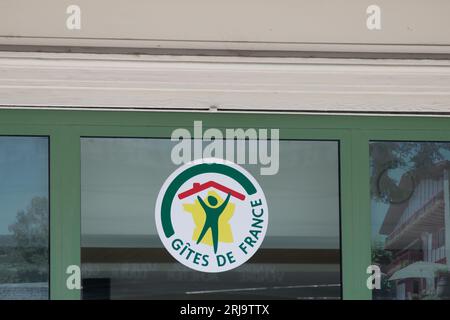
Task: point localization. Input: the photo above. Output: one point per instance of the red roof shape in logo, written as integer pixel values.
(210, 184)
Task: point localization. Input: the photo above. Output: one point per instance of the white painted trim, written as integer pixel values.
(63, 80)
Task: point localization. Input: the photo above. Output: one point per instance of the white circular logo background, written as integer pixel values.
(240, 224)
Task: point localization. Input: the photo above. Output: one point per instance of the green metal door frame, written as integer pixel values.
(65, 128)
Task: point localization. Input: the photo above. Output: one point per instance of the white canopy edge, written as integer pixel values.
(151, 82)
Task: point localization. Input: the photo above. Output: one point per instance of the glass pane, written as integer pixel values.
(123, 257)
(411, 219)
(24, 218)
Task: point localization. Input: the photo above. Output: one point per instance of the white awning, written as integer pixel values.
(420, 269)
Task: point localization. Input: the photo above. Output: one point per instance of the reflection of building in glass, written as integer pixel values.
(416, 236)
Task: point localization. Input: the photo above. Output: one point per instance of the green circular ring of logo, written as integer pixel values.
(191, 172)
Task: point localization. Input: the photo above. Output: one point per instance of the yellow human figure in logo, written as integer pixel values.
(198, 213)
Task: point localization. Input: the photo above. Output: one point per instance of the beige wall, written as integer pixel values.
(407, 25)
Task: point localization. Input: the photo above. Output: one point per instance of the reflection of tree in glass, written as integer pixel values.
(30, 232)
(418, 158)
(379, 255)
(382, 258)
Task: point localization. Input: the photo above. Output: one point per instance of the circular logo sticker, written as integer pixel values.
(211, 215)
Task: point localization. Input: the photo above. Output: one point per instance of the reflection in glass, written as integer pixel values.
(123, 258)
(24, 254)
(411, 219)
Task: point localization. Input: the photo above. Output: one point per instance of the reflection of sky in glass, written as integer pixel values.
(379, 209)
(23, 175)
(125, 175)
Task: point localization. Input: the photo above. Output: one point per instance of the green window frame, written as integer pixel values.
(65, 128)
